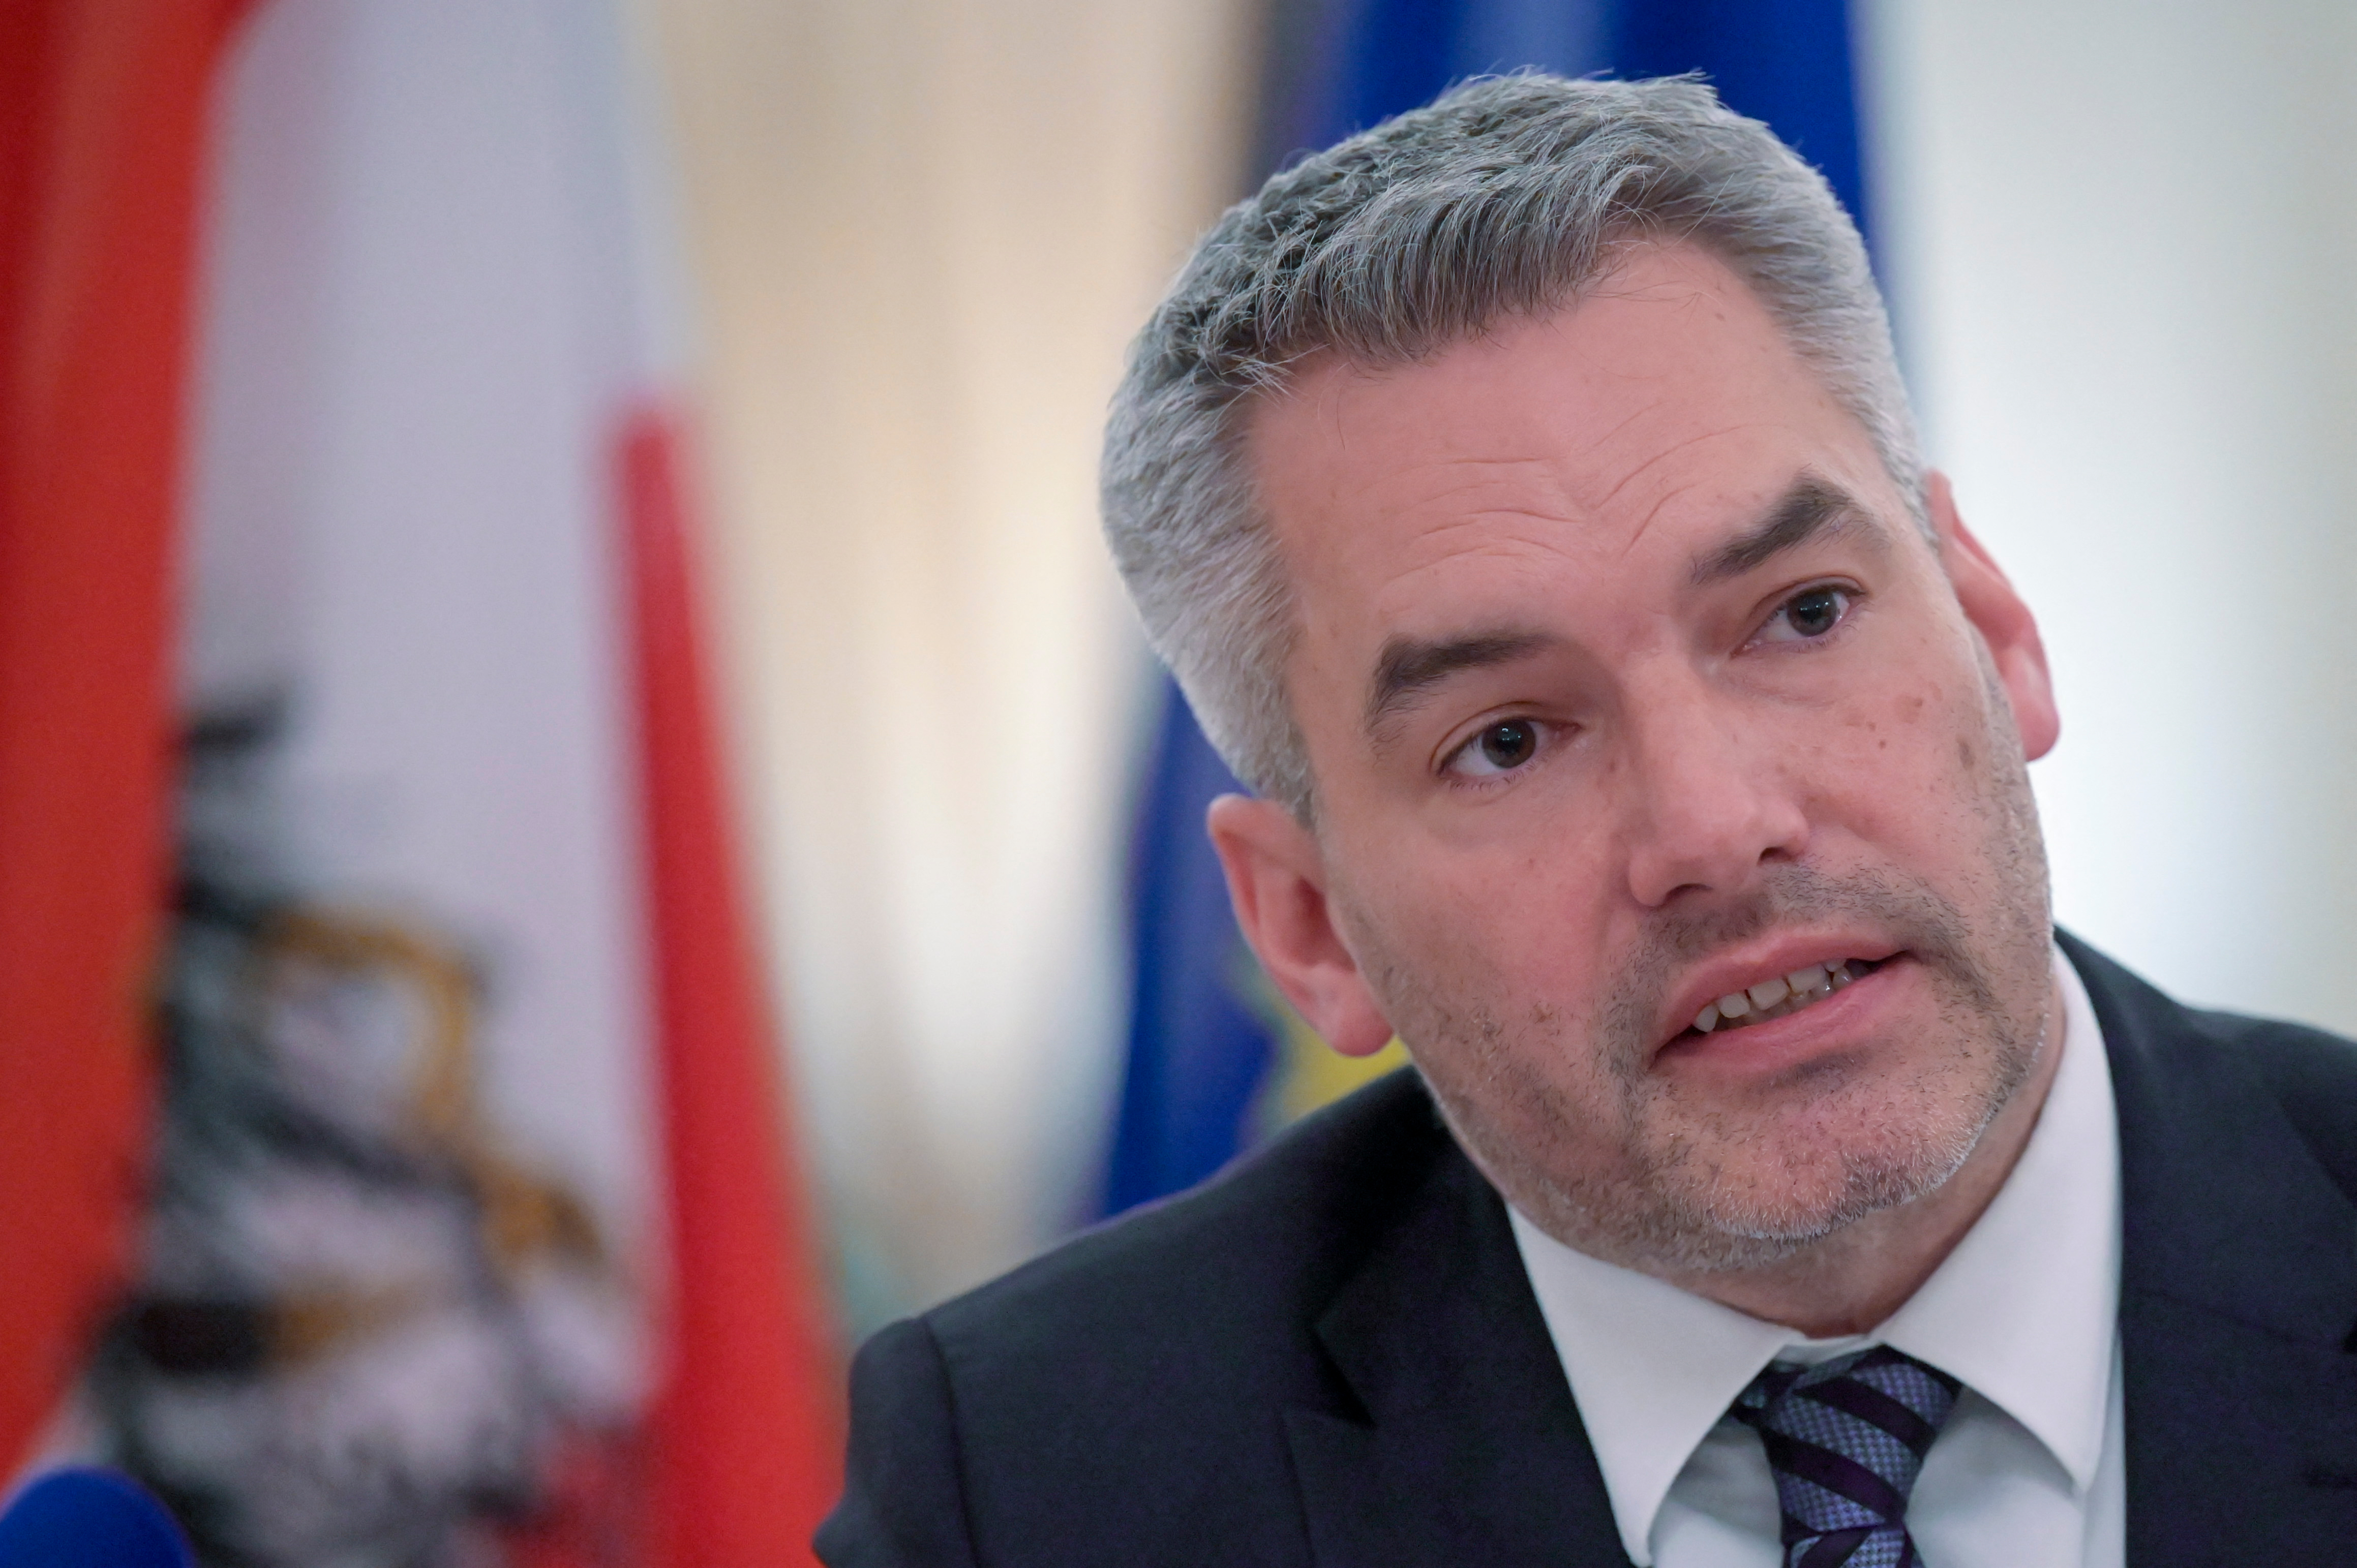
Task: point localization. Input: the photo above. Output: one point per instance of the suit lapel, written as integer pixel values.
(2238, 1292)
(1464, 1445)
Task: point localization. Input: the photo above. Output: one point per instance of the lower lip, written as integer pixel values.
(1837, 1023)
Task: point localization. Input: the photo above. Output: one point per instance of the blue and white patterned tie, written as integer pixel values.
(1845, 1439)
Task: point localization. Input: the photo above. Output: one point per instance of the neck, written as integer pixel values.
(1855, 1278)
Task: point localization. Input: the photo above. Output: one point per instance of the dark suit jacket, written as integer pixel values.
(1332, 1354)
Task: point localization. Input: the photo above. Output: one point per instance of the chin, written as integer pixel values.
(1750, 1211)
(1710, 1191)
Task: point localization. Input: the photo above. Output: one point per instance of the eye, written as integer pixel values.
(1808, 615)
(1500, 749)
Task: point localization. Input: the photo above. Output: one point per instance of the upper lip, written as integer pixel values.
(1739, 968)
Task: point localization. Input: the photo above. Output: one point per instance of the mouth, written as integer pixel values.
(1779, 996)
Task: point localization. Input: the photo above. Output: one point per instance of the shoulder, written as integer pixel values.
(2309, 1074)
(1275, 1228)
(1129, 1386)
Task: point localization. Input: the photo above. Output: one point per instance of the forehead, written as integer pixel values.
(1608, 441)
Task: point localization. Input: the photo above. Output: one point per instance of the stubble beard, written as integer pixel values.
(1696, 1188)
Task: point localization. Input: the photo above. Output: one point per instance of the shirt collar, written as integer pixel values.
(2023, 1311)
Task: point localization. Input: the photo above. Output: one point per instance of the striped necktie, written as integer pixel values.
(1845, 1439)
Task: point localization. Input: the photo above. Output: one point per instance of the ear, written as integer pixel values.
(2003, 622)
(1276, 880)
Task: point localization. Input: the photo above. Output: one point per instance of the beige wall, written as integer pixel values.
(923, 232)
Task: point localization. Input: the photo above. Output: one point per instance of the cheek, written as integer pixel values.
(1500, 945)
(1901, 762)
(1507, 1043)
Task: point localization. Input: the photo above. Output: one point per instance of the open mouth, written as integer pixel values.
(1776, 997)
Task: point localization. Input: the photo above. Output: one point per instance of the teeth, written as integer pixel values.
(1774, 997)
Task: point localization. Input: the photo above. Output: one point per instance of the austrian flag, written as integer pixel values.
(393, 1164)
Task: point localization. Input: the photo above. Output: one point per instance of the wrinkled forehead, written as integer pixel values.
(1664, 402)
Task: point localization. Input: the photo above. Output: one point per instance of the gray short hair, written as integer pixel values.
(1506, 195)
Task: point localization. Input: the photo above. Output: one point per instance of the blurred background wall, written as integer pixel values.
(925, 232)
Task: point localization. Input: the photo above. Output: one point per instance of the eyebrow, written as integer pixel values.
(1409, 666)
(1812, 507)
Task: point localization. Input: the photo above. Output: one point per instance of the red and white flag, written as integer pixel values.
(468, 1227)
(102, 108)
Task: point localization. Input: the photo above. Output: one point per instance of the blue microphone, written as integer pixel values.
(101, 1519)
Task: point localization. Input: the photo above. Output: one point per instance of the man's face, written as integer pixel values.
(1629, 685)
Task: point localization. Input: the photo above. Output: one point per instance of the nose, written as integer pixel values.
(1709, 795)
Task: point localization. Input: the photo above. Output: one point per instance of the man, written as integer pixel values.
(1526, 495)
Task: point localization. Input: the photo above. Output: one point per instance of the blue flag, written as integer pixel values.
(1211, 1049)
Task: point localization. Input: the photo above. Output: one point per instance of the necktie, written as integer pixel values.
(1845, 1439)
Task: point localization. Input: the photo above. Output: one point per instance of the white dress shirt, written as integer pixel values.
(2029, 1471)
